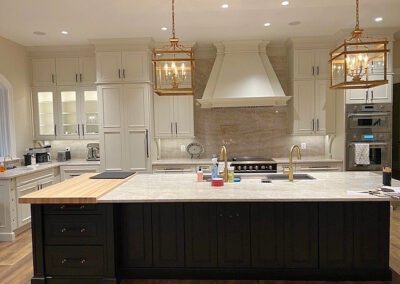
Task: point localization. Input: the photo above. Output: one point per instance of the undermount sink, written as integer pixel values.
(285, 177)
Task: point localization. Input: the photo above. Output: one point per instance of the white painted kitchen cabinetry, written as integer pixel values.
(43, 72)
(68, 172)
(380, 94)
(75, 71)
(65, 112)
(123, 66)
(311, 63)
(313, 107)
(173, 116)
(125, 133)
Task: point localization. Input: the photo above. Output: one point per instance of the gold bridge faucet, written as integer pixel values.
(290, 170)
(223, 155)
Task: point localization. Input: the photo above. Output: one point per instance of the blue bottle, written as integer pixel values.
(214, 168)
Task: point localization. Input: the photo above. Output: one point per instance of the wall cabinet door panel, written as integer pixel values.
(304, 67)
(201, 235)
(183, 116)
(112, 153)
(301, 235)
(335, 235)
(135, 66)
(164, 116)
(168, 235)
(304, 107)
(87, 68)
(322, 63)
(111, 103)
(67, 71)
(136, 248)
(44, 72)
(233, 235)
(267, 235)
(108, 66)
(138, 151)
(136, 106)
(325, 106)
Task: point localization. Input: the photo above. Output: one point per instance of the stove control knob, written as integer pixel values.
(250, 168)
(270, 167)
(244, 167)
(239, 168)
(256, 168)
(263, 167)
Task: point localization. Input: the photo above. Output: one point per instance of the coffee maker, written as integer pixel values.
(41, 154)
(93, 152)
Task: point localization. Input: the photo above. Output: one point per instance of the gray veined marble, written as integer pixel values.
(332, 186)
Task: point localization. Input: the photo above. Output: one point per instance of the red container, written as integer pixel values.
(217, 182)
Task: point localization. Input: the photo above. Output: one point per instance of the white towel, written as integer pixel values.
(361, 154)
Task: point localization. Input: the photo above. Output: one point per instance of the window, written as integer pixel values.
(5, 141)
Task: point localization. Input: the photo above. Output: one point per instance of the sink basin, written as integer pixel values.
(285, 177)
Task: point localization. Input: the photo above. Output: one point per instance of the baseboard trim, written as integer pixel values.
(7, 237)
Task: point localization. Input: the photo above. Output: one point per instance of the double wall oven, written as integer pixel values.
(369, 124)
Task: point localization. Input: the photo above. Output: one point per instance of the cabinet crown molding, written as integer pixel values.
(118, 44)
(60, 51)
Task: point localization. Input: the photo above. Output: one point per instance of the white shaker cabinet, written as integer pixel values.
(313, 107)
(311, 63)
(123, 66)
(43, 72)
(379, 94)
(125, 132)
(173, 116)
(75, 71)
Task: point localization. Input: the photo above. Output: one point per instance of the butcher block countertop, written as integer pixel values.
(80, 190)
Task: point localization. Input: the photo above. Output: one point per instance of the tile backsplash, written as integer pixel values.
(78, 147)
(257, 131)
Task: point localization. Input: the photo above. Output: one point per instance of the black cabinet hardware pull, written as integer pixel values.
(313, 70)
(83, 129)
(55, 130)
(317, 70)
(76, 77)
(79, 131)
(176, 128)
(80, 77)
(123, 73)
(119, 73)
(52, 78)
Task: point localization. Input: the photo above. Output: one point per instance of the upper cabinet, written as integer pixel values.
(65, 112)
(311, 63)
(123, 66)
(44, 72)
(173, 116)
(64, 71)
(313, 104)
(380, 94)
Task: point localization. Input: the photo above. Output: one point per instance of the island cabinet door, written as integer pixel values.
(201, 235)
(371, 235)
(267, 235)
(301, 235)
(335, 235)
(233, 235)
(136, 238)
(168, 235)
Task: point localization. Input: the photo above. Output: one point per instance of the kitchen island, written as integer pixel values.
(169, 226)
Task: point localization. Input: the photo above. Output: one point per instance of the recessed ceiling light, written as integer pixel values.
(39, 33)
(267, 24)
(64, 32)
(378, 19)
(224, 6)
(294, 23)
(285, 3)
(164, 28)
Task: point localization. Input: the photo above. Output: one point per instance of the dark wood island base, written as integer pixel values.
(106, 243)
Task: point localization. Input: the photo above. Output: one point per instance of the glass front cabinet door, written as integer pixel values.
(66, 113)
(45, 109)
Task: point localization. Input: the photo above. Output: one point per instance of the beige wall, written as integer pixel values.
(14, 66)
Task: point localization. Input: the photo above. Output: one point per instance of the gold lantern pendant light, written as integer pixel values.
(360, 62)
(173, 66)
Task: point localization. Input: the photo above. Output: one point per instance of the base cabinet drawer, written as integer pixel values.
(73, 209)
(74, 260)
(74, 230)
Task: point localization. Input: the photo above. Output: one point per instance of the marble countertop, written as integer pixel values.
(21, 171)
(328, 186)
(305, 160)
(182, 162)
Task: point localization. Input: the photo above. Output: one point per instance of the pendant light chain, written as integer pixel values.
(173, 18)
(357, 16)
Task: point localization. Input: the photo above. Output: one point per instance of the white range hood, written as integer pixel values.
(242, 76)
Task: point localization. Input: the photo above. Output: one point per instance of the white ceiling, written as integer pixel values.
(196, 20)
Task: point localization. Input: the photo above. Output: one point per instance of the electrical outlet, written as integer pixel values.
(183, 148)
(303, 146)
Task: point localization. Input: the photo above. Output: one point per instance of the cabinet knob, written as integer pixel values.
(221, 215)
(83, 230)
(237, 214)
(62, 207)
(230, 216)
(83, 260)
(82, 207)
(63, 261)
(63, 230)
